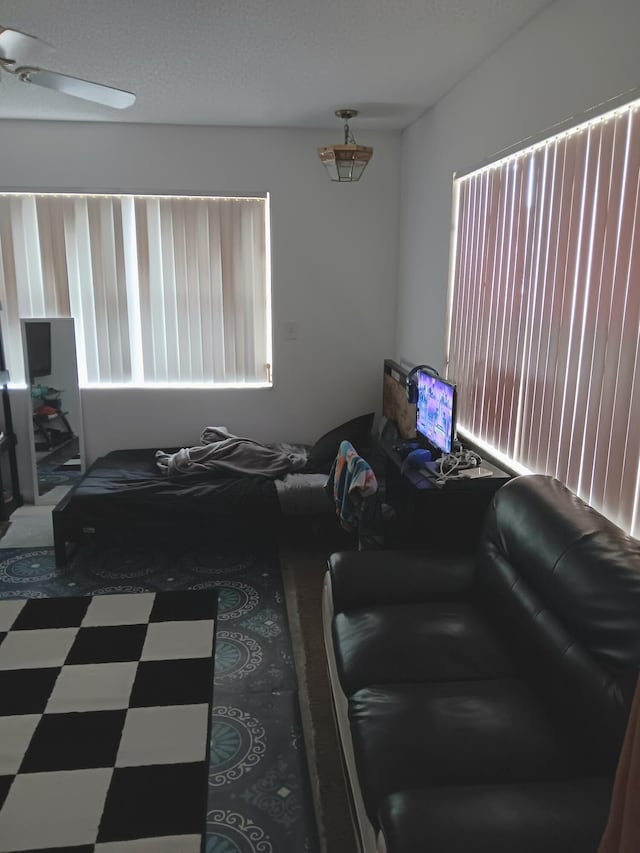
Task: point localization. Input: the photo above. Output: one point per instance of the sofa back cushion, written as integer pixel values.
(564, 583)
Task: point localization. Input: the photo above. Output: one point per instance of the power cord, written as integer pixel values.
(452, 463)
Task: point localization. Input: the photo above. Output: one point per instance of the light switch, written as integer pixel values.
(290, 330)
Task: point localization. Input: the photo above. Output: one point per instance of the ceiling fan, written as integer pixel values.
(14, 44)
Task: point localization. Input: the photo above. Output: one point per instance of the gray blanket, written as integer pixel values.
(229, 455)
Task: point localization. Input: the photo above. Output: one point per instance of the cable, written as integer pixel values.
(452, 463)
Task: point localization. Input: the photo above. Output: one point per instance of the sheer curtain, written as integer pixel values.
(164, 289)
(545, 310)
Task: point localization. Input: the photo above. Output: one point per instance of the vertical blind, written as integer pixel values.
(545, 310)
(164, 289)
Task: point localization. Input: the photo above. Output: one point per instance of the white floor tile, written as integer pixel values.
(15, 736)
(69, 806)
(167, 640)
(92, 687)
(175, 734)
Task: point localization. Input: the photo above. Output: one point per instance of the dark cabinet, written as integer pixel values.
(427, 514)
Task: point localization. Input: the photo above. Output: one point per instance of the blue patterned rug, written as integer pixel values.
(259, 795)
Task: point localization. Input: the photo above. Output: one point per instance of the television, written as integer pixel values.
(436, 412)
(38, 339)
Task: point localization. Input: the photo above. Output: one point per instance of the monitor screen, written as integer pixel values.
(38, 337)
(436, 411)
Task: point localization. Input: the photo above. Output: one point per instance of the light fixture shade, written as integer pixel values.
(345, 162)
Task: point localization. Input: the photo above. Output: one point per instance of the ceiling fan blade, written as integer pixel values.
(97, 92)
(17, 46)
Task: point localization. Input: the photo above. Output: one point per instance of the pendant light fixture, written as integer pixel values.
(348, 161)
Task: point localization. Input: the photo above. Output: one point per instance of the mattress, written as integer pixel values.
(128, 481)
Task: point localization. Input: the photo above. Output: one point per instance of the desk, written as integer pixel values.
(449, 515)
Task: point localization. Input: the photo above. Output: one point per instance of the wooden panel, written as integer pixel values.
(395, 405)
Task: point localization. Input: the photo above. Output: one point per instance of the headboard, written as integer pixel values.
(395, 405)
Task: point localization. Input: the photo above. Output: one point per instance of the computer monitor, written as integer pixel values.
(436, 412)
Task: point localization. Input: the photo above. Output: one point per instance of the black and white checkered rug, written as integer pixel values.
(105, 710)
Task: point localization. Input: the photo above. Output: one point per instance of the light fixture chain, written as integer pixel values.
(349, 138)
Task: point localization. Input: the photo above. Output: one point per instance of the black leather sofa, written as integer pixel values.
(482, 700)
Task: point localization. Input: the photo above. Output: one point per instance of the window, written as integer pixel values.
(545, 310)
(164, 289)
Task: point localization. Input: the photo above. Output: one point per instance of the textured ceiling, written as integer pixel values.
(268, 63)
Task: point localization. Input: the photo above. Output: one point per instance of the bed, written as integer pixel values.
(125, 496)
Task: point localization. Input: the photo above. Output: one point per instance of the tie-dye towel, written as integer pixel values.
(351, 481)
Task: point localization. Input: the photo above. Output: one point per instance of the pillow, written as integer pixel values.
(325, 450)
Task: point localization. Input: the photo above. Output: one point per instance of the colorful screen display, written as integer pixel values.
(436, 411)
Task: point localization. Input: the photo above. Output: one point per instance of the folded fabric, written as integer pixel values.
(223, 453)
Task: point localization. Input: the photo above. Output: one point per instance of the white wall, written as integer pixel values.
(574, 55)
(334, 258)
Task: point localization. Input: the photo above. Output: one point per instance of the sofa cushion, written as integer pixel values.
(550, 572)
(438, 641)
(578, 686)
(453, 733)
(577, 562)
(361, 578)
(566, 816)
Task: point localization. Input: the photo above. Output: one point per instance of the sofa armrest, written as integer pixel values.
(363, 578)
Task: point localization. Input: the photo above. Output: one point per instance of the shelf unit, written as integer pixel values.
(10, 495)
(51, 431)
